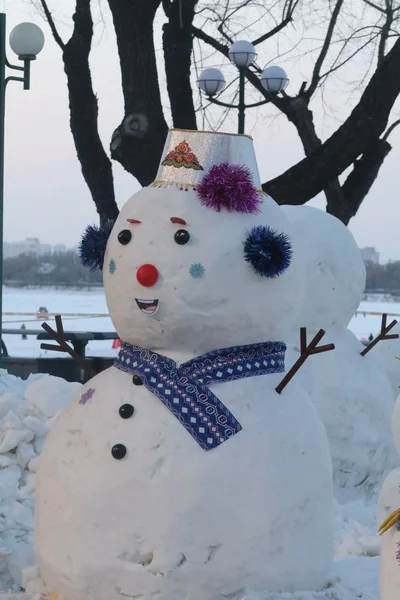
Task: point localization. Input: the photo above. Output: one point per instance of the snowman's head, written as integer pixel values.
(184, 269)
(335, 269)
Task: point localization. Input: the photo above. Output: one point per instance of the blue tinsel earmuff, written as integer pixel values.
(93, 245)
(268, 252)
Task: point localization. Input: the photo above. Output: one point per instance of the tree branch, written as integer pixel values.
(287, 18)
(96, 166)
(385, 31)
(50, 20)
(366, 123)
(178, 47)
(324, 51)
(379, 8)
(139, 140)
(390, 129)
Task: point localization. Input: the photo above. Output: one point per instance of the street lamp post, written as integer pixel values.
(26, 40)
(242, 54)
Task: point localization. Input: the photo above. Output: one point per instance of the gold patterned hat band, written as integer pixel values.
(189, 155)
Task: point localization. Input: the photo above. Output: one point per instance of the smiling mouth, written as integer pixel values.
(148, 307)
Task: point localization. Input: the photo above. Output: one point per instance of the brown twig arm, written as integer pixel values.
(305, 352)
(383, 335)
(59, 337)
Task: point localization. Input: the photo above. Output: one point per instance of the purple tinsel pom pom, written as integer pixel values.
(229, 187)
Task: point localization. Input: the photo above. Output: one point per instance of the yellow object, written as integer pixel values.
(53, 596)
(390, 522)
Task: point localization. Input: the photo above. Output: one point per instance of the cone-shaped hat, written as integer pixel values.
(189, 156)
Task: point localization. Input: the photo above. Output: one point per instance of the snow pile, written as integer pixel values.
(27, 410)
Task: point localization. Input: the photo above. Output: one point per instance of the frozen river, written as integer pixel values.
(18, 302)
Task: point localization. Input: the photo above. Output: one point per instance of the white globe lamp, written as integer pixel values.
(274, 79)
(211, 81)
(242, 54)
(26, 40)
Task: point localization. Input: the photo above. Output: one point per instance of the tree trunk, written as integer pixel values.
(361, 179)
(95, 164)
(178, 47)
(298, 112)
(138, 142)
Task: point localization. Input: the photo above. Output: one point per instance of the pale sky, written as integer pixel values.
(45, 194)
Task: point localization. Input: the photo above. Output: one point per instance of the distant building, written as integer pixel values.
(59, 249)
(370, 255)
(32, 246)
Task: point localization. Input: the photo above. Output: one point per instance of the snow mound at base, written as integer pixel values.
(27, 410)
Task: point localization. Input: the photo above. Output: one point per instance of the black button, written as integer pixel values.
(136, 380)
(118, 451)
(126, 411)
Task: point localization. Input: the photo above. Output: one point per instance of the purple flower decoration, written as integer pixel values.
(398, 553)
(88, 395)
(229, 187)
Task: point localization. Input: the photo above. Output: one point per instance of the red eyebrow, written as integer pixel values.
(133, 221)
(178, 220)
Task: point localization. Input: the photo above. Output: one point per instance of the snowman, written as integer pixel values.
(350, 392)
(180, 473)
(387, 355)
(389, 517)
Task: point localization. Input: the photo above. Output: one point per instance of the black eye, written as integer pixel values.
(118, 451)
(124, 237)
(126, 411)
(182, 237)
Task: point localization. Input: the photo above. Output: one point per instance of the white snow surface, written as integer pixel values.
(354, 573)
(27, 410)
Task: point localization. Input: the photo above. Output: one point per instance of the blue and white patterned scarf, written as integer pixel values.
(184, 390)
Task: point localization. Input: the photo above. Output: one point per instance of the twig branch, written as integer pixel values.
(63, 346)
(305, 352)
(325, 48)
(52, 24)
(288, 18)
(390, 129)
(379, 8)
(383, 335)
(385, 31)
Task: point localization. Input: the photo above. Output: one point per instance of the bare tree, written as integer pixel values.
(368, 32)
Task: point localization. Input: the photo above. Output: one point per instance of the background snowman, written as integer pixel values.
(180, 472)
(351, 393)
(389, 517)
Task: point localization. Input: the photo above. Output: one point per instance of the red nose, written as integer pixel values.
(147, 275)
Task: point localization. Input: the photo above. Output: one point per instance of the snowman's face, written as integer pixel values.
(175, 275)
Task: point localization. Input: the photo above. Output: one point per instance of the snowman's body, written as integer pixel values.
(343, 385)
(171, 521)
(388, 502)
